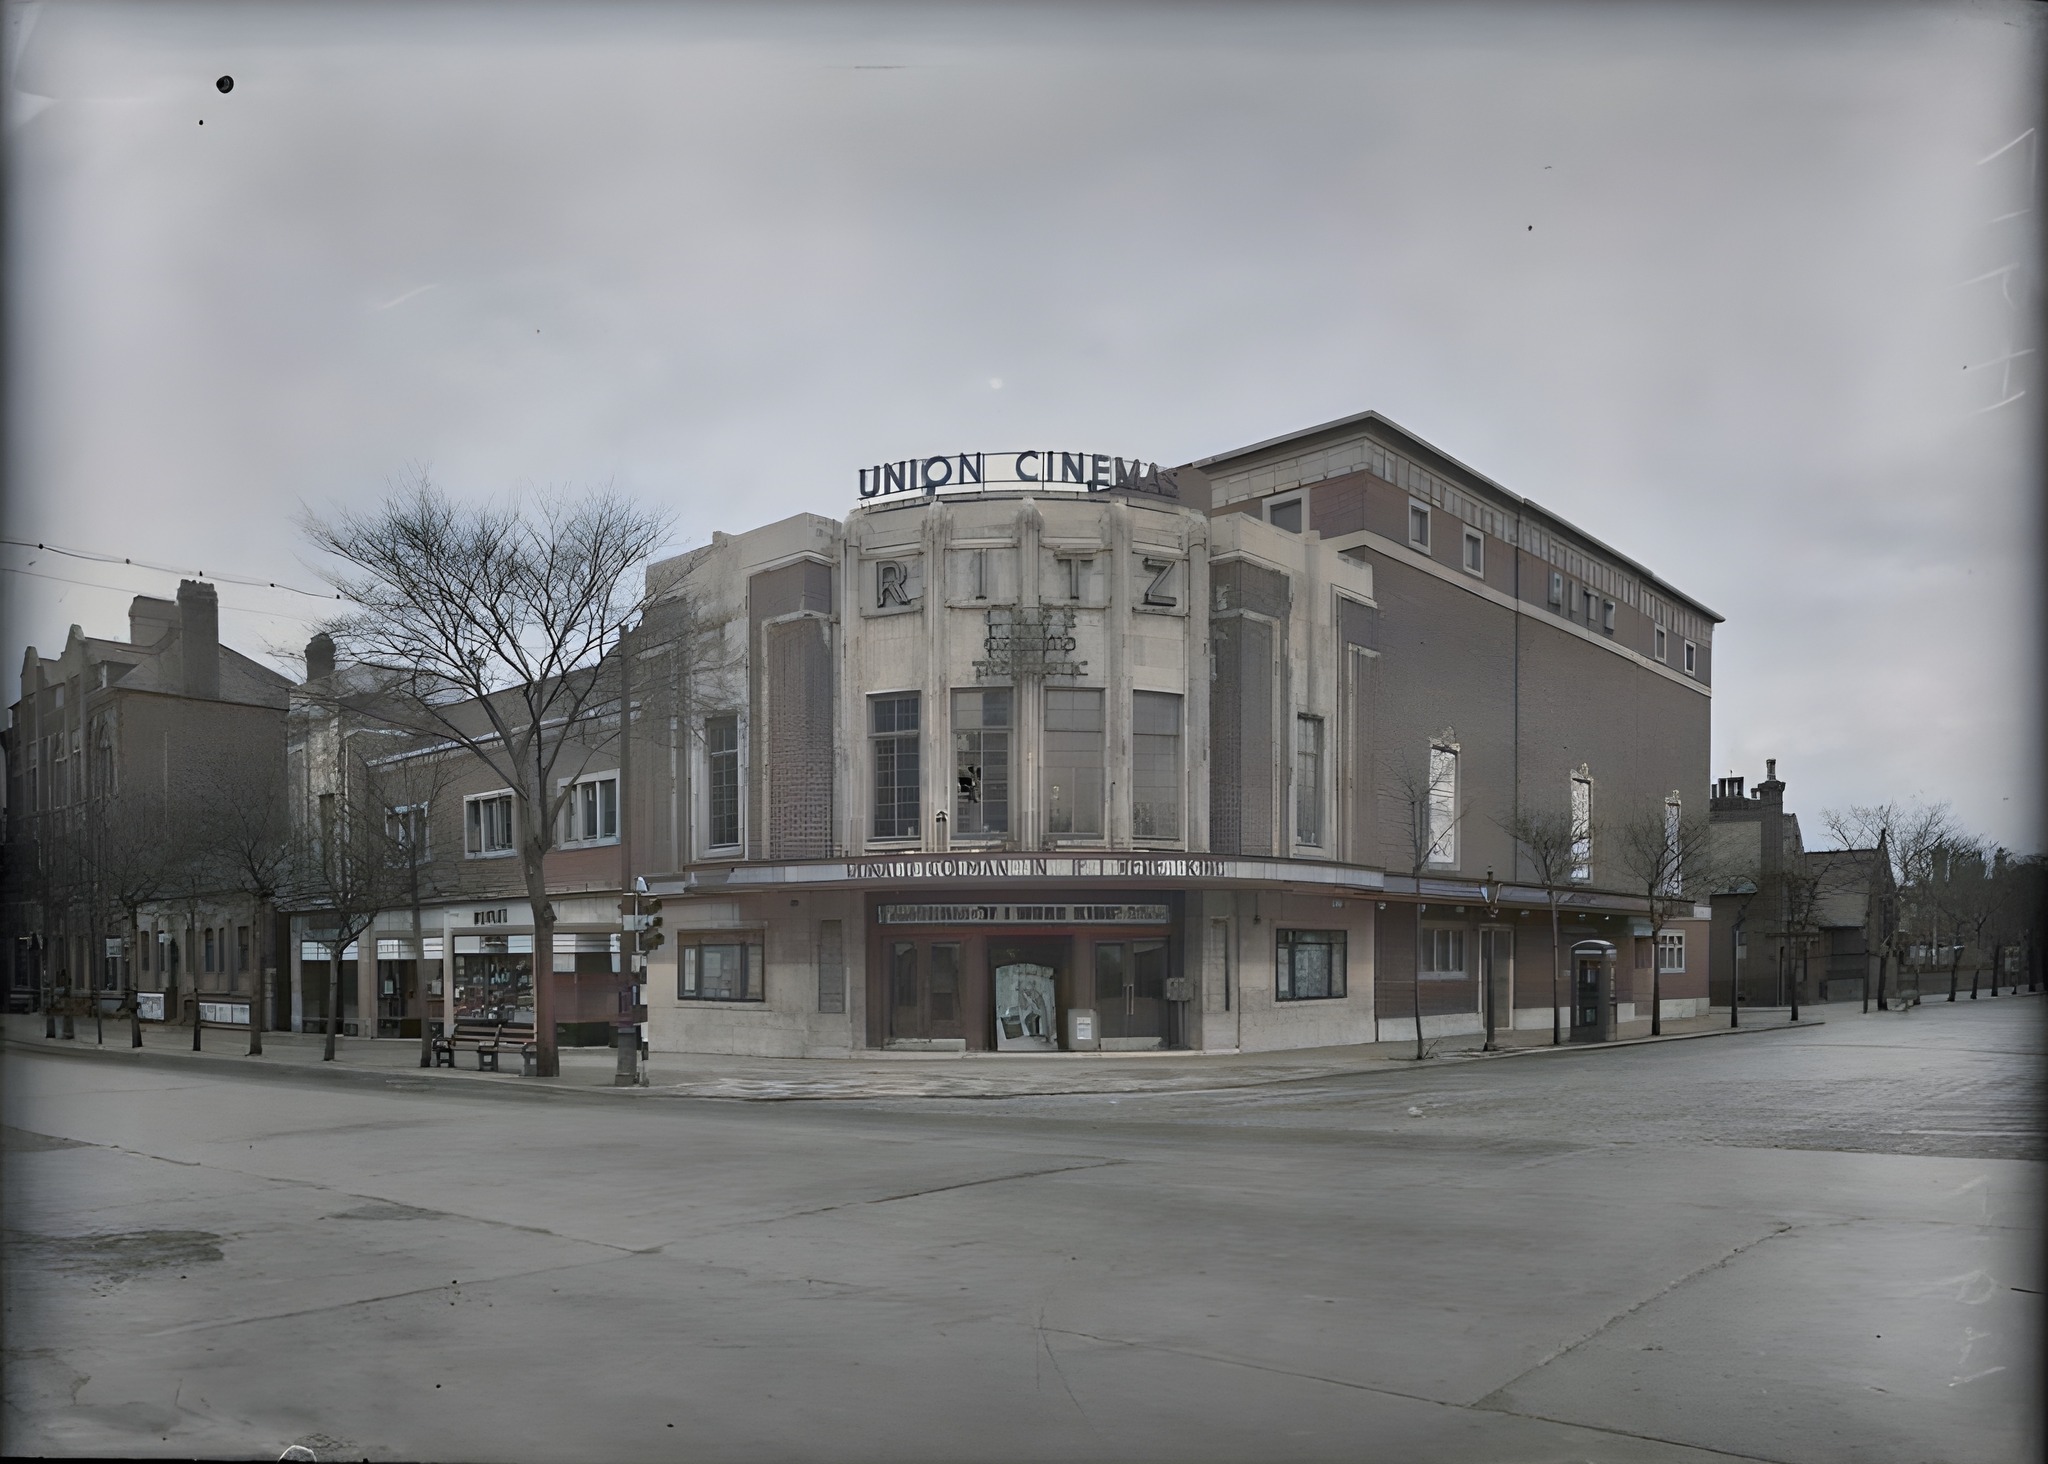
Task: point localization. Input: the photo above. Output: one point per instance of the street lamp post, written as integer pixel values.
(1735, 979)
(1489, 891)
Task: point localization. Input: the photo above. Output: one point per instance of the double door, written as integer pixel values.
(1130, 989)
(946, 986)
(924, 989)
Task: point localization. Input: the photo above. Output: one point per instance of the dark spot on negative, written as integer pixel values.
(226, 83)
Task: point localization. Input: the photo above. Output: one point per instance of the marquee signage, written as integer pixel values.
(1024, 915)
(925, 867)
(1084, 472)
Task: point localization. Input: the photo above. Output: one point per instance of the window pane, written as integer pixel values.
(1109, 973)
(945, 981)
(1286, 516)
(608, 809)
(981, 761)
(1148, 961)
(1582, 828)
(903, 973)
(722, 751)
(1073, 760)
(1310, 965)
(1443, 806)
(1311, 971)
(1308, 780)
(722, 972)
(894, 719)
(1155, 766)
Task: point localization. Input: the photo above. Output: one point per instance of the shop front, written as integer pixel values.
(1059, 972)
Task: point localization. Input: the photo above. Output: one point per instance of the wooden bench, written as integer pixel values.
(488, 1039)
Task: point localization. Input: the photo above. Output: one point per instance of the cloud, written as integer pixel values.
(725, 255)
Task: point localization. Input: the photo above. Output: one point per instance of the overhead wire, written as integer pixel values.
(121, 590)
(236, 579)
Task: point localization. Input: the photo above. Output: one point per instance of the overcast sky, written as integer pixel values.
(1728, 287)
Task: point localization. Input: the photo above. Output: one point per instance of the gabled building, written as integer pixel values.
(1856, 907)
(118, 754)
(1787, 918)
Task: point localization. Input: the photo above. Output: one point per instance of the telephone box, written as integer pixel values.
(1594, 1007)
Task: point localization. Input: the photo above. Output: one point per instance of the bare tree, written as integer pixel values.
(345, 869)
(411, 785)
(1549, 841)
(1430, 822)
(1910, 836)
(246, 829)
(1667, 855)
(133, 868)
(1802, 883)
(1959, 893)
(491, 628)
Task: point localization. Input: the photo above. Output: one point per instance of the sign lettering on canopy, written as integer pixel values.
(1081, 472)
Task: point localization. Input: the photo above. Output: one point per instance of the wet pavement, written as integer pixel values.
(1816, 1244)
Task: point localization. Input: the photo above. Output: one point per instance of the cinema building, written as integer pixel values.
(1049, 751)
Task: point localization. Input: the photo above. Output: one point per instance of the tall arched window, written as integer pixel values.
(1582, 823)
(1443, 803)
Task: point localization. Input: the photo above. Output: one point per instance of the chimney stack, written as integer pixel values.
(1770, 770)
(150, 620)
(199, 637)
(319, 656)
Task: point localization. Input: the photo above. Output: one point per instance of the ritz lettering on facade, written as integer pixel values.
(1089, 472)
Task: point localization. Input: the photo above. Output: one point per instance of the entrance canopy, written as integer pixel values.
(1064, 869)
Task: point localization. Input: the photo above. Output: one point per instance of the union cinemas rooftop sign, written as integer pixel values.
(1082, 472)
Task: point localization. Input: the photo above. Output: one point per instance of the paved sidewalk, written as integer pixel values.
(770, 1079)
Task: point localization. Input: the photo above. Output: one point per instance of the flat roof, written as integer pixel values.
(1371, 418)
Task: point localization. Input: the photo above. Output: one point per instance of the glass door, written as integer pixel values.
(924, 990)
(1586, 997)
(1130, 990)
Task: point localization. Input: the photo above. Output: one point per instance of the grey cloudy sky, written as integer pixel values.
(1704, 280)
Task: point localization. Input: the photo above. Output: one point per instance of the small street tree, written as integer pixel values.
(345, 870)
(493, 629)
(1942, 898)
(1549, 841)
(246, 830)
(411, 785)
(1430, 822)
(134, 867)
(1802, 882)
(1667, 855)
(2017, 909)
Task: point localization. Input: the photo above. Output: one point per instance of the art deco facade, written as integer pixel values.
(1148, 760)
